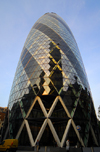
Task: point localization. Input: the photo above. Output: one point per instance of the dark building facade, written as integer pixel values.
(2, 117)
(50, 96)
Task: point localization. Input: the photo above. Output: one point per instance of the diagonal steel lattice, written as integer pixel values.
(49, 122)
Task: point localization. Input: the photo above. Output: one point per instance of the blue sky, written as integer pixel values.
(16, 20)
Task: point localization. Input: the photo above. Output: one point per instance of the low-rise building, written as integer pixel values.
(2, 117)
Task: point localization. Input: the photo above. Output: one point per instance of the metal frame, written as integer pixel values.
(49, 122)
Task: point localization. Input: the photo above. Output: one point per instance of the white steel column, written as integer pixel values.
(41, 131)
(66, 110)
(77, 133)
(31, 107)
(93, 134)
(19, 131)
(54, 132)
(29, 133)
(66, 132)
(42, 107)
(53, 106)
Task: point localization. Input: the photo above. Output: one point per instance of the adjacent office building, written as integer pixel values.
(2, 117)
(50, 99)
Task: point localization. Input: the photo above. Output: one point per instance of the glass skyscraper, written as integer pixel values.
(50, 99)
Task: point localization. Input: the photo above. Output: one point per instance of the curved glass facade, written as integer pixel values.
(50, 94)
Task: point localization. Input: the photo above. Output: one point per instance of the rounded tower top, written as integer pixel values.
(50, 60)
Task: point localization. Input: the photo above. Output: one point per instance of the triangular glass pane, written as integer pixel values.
(91, 142)
(73, 139)
(36, 112)
(47, 138)
(59, 111)
(47, 100)
(60, 125)
(35, 126)
(59, 119)
(23, 139)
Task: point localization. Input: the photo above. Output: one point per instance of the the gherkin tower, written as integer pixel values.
(50, 95)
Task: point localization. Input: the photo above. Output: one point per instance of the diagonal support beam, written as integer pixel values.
(52, 107)
(29, 133)
(41, 131)
(42, 107)
(66, 132)
(54, 132)
(77, 133)
(66, 110)
(93, 134)
(19, 131)
(31, 106)
(74, 109)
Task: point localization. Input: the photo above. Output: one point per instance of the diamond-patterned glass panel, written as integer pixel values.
(50, 94)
